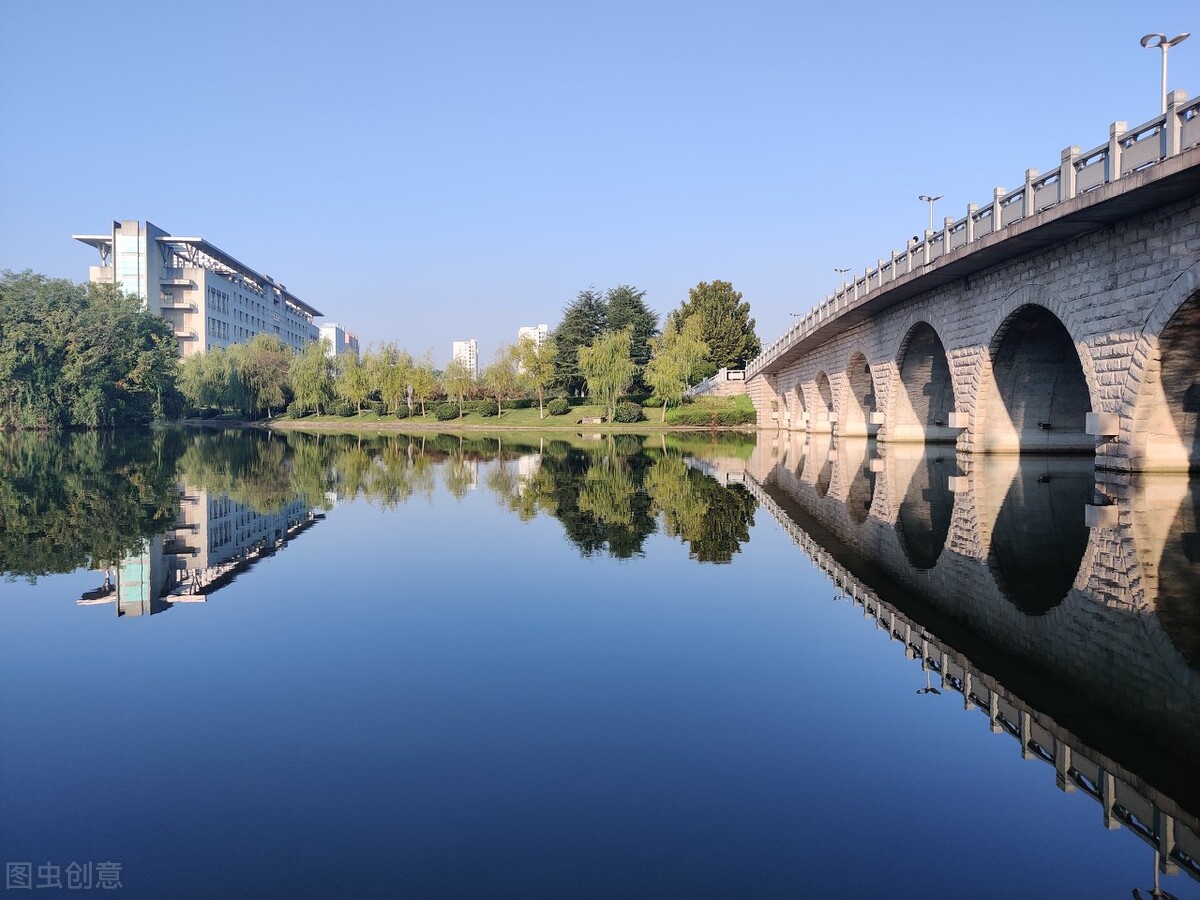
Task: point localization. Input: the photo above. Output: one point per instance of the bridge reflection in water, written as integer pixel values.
(1063, 608)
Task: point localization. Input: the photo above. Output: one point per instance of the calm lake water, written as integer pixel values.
(242, 665)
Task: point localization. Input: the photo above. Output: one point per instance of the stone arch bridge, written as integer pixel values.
(1061, 317)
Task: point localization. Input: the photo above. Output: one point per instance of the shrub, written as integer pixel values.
(376, 406)
(714, 413)
(296, 411)
(487, 410)
(519, 403)
(652, 402)
(342, 408)
(402, 411)
(444, 412)
(559, 406)
(479, 407)
(627, 412)
(210, 412)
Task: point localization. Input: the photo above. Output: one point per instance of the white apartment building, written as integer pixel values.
(209, 297)
(536, 333)
(340, 340)
(468, 353)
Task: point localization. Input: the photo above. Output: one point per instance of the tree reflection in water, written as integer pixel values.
(89, 500)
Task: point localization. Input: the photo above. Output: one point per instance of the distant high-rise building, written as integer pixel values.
(340, 340)
(536, 333)
(209, 298)
(467, 352)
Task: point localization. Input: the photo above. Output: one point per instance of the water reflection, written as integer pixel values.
(175, 518)
(1061, 606)
(1058, 609)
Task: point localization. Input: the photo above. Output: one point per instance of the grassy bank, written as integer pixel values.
(704, 414)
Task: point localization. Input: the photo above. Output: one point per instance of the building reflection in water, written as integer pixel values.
(213, 540)
(1058, 603)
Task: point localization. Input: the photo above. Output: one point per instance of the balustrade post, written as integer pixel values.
(879, 271)
(972, 208)
(928, 245)
(1066, 173)
(1027, 201)
(1112, 160)
(895, 257)
(947, 223)
(912, 246)
(997, 209)
(1171, 130)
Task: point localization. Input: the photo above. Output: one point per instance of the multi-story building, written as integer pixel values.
(209, 297)
(536, 333)
(467, 352)
(340, 340)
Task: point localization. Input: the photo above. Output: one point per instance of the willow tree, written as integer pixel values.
(457, 379)
(262, 367)
(501, 378)
(352, 382)
(390, 371)
(311, 374)
(677, 356)
(423, 380)
(537, 367)
(608, 368)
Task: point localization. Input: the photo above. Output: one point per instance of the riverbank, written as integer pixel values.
(707, 415)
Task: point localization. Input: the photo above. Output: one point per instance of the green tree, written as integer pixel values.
(626, 308)
(457, 380)
(424, 380)
(390, 370)
(607, 367)
(352, 382)
(537, 367)
(262, 368)
(583, 320)
(204, 379)
(678, 355)
(81, 355)
(501, 378)
(726, 325)
(311, 376)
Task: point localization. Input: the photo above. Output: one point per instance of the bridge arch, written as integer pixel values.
(798, 408)
(1039, 394)
(824, 416)
(854, 417)
(925, 396)
(1161, 406)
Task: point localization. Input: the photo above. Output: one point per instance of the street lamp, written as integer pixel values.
(1160, 41)
(930, 201)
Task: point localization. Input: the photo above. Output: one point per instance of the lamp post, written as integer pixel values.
(1164, 44)
(930, 201)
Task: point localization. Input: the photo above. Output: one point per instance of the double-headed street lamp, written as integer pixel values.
(930, 201)
(1164, 44)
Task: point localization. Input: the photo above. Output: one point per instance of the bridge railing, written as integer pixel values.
(1079, 172)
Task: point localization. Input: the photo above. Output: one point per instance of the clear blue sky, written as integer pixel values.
(438, 171)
